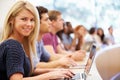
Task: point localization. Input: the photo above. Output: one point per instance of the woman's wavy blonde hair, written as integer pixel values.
(29, 42)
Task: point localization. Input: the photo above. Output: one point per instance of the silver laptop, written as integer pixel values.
(87, 46)
(83, 74)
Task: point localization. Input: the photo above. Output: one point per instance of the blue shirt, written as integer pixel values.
(67, 40)
(13, 59)
(42, 53)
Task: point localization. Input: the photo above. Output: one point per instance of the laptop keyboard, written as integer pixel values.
(78, 76)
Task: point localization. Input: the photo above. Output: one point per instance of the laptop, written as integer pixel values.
(83, 74)
(87, 46)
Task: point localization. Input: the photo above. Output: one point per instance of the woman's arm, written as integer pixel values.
(19, 76)
(47, 76)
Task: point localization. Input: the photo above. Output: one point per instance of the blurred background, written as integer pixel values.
(97, 13)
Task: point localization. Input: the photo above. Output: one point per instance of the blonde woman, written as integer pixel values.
(17, 46)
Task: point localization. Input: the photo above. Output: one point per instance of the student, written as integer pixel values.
(46, 59)
(79, 38)
(17, 46)
(110, 36)
(65, 35)
(50, 39)
(94, 37)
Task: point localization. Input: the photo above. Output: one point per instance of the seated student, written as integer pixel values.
(17, 46)
(49, 60)
(100, 33)
(65, 37)
(59, 35)
(110, 37)
(104, 42)
(50, 39)
(78, 40)
(94, 37)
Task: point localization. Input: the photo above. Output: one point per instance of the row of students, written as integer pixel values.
(19, 58)
(17, 46)
(82, 36)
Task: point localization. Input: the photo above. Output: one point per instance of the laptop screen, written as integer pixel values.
(82, 75)
(92, 51)
(87, 46)
(91, 57)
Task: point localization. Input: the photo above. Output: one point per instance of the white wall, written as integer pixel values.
(4, 8)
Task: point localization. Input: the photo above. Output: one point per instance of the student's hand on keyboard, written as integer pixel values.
(77, 76)
(61, 73)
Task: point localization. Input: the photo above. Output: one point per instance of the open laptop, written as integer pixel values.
(87, 46)
(83, 74)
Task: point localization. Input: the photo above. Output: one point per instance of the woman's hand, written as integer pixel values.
(67, 61)
(61, 73)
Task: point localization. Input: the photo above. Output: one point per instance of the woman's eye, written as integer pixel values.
(32, 20)
(23, 19)
(26, 19)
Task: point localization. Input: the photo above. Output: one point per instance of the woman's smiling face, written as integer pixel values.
(23, 23)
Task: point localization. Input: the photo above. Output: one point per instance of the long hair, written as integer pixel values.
(102, 36)
(80, 39)
(29, 42)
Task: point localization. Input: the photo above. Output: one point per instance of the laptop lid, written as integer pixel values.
(91, 57)
(81, 74)
(87, 46)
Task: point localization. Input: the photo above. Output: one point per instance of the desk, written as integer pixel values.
(93, 74)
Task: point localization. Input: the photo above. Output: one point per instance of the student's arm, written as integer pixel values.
(19, 76)
(76, 55)
(61, 51)
(53, 55)
(52, 64)
(64, 61)
(46, 76)
(50, 49)
(73, 44)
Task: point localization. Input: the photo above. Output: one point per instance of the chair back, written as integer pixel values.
(108, 62)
